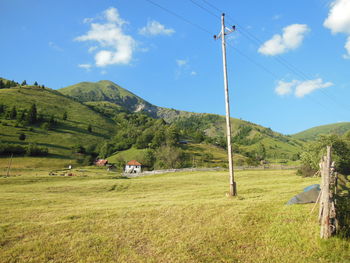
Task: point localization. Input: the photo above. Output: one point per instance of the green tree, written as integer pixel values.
(172, 136)
(311, 157)
(261, 152)
(32, 114)
(65, 116)
(78, 149)
(2, 108)
(35, 83)
(169, 157)
(149, 159)
(13, 113)
(24, 83)
(2, 84)
(52, 120)
(144, 140)
(21, 116)
(89, 128)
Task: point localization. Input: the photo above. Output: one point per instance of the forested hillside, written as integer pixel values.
(90, 120)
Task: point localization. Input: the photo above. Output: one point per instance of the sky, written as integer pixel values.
(288, 61)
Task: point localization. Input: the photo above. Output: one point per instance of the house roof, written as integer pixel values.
(133, 162)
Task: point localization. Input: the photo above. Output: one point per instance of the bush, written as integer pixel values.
(22, 136)
(306, 171)
(78, 149)
(8, 149)
(34, 150)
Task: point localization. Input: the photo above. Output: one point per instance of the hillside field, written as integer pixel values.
(66, 134)
(179, 217)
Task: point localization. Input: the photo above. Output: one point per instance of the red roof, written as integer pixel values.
(133, 162)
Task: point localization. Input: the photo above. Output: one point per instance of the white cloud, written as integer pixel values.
(112, 15)
(347, 47)
(338, 20)
(284, 88)
(306, 87)
(92, 49)
(115, 46)
(291, 39)
(193, 73)
(301, 88)
(154, 28)
(181, 62)
(87, 67)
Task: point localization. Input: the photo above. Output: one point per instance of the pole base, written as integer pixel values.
(233, 189)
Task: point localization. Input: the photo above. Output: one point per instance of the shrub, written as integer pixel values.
(34, 150)
(22, 136)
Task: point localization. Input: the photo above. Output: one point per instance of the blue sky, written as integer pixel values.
(288, 61)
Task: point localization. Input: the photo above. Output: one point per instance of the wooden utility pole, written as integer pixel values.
(233, 189)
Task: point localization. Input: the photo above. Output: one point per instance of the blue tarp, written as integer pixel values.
(308, 188)
(309, 195)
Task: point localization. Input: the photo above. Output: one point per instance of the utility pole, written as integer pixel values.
(226, 31)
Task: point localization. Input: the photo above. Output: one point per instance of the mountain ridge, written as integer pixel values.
(312, 133)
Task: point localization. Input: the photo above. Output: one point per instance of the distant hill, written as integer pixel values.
(66, 134)
(312, 133)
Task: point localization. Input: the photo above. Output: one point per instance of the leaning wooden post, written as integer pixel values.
(325, 200)
(9, 167)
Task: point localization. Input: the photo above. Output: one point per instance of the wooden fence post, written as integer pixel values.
(327, 213)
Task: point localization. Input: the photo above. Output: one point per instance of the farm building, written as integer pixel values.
(133, 167)
(101, 162)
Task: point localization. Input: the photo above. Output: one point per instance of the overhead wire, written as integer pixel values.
(259, 42)
(210, 33)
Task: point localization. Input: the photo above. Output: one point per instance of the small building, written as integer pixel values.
(133, 167)
(101, 162)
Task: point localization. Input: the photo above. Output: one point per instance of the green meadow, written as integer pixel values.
(97, 216)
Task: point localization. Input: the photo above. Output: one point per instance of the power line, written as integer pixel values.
(179, 16)
(210, 33)
(258, 42)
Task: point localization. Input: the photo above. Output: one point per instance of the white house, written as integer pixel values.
(133, 167)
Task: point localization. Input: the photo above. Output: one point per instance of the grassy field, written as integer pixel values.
(179, 217)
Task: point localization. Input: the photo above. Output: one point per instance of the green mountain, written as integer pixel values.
(105, 95)
(109, 98)
(312, 134)
(52, 104)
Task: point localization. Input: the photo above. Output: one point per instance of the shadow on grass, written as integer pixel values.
(343, 206)
(37, 143)
(65, 128)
